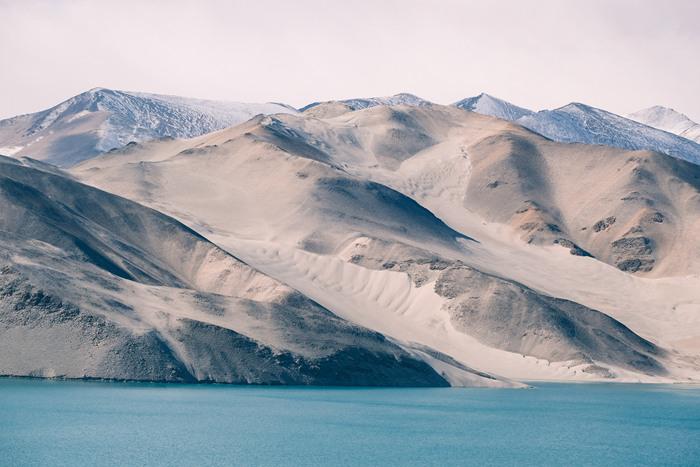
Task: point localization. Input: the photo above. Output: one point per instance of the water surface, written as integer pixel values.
(95, 423)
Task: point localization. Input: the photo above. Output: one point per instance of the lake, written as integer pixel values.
(49, 422)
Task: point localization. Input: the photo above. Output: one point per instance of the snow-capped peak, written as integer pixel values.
(581, 123)
(670, 120)
(102, 119)
(486, 104)
(360, 103)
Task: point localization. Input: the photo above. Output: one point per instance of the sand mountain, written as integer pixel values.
(95, 286)
(466, 233)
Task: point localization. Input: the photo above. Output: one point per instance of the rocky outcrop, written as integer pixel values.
(510, 316)
(46, 336)
(634, 253)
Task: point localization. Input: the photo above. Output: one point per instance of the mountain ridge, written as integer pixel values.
(102, 119)
(577, 122)
(667, 119)
(359, 103)
(580, 123)
(486, 104)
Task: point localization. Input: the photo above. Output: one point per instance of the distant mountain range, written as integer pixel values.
(101, 119)
(385, 241)
(669, 120)
(580, 123)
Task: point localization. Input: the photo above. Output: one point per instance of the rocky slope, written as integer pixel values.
(95, 286)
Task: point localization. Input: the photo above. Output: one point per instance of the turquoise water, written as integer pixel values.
(95, 423)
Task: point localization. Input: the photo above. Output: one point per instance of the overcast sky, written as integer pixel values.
(620, 55)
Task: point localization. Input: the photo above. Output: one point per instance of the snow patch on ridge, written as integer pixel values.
(486, 104)
(669, 120)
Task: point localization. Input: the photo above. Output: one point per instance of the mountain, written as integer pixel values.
(489, 105)
(101, 119)
(508, 252)
(579, 123)
(380, 241)
(95, 286)
(669, 120)
(351, 105)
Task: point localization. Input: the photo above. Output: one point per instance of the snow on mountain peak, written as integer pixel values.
(361, 103)
(577, 107)
(581, 123)
(670, 120)
(486, 104)
(101, 119)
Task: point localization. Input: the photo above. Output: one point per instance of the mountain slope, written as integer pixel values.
(655, 129)
(101, 119)
(351, 105)
(396, 217)
(669, 120)
(486, 104)
(579, 123)
(96, 286)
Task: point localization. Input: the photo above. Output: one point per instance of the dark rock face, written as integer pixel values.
(73, 343)
(634, 254)
(145, 357)
(512, 317)
(636, 265)
(574, 249)
(655, 217)
(507, 315)
(223, 355)
(604, 224)
(633, 245)
(67, 341)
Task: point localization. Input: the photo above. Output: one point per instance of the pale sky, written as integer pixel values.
(621, 55)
